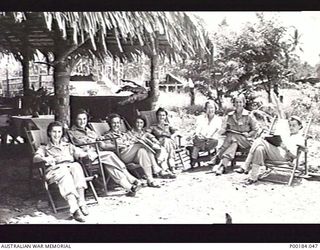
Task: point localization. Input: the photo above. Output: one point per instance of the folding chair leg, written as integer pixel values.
(294, 170)
(102, 170)
(30, 177)
(181, 159)
(93, 191)
(103, 179)
(306, 160)
(50, 199)
(108, 179)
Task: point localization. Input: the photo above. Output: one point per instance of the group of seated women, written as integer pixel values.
(153, 149)
(239, 131)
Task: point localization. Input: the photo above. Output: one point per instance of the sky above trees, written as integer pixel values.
(307, 23)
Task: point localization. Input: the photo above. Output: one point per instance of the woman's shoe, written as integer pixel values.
(214, 160)
(193, 162)
(84, 210)
(77, 215)
(139, 183)
(220, 170)
(170, 175)
(134, 189)
(153, 185)
(165, 175)
(240, 171)
(131, 194)
(249, 182)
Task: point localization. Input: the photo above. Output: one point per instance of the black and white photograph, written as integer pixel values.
(159, 117)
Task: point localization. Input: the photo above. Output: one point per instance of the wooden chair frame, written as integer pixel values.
(151, 118)
(88, 164)
(102, 127)
(35, 140)
(293, 167)
(242, 154)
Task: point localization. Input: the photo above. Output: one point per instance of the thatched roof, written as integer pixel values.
(121, 34)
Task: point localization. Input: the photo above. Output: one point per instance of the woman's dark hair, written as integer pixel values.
(240, 97)
(297, 119)
(143, 119)
(81, 111)
(55, 124)
(209, 102)
(161, 110)
(111, 117)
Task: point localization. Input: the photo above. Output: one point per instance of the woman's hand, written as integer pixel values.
(101, 138)
(122, 146)
(246, 134)
(92, 155)
(200, 137)
(283, 146)
(50, 160)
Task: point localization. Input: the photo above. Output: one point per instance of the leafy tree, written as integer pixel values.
(300, 70)
(256, 57)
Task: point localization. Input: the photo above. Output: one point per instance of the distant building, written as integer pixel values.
(171, 84)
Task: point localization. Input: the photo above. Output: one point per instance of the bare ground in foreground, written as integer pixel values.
(194, 197)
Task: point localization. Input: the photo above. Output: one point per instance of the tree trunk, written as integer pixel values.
(154, 82)
(61, 79)
(26, 83)
(267, 87)
(269, 95)
(219, 97)
(192, 96)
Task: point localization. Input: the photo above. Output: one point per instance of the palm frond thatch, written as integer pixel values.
(121, 33)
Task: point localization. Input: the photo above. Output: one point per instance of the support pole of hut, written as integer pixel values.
(8, 81)
(61, 79)
(155, 80)
(25, 75)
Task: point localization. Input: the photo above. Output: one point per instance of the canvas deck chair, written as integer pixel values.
(279, 168)
(241, 153)
(94, 168)
(204, 156)
(35, 139)
(181, 153)
(103, 127)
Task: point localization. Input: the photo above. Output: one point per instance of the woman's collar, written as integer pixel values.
(244, 112)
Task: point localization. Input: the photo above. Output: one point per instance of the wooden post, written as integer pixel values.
(7, 77)
(154, 81)
(61, 81)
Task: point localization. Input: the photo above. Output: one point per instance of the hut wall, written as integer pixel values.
(100, 106)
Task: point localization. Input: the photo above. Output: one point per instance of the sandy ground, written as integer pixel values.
(194, 197)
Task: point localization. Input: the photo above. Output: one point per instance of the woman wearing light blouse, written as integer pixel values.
(80, 133)
(207, 133)
(263, 150)
(59, 157)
